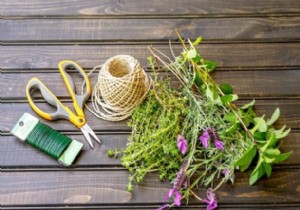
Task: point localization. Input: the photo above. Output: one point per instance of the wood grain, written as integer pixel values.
(256, 44)
(255, 83)
(150, 7)
(149, 29)
(13, 111)
(17, 154)
(90, 187)
(14, 153)
(233, 56)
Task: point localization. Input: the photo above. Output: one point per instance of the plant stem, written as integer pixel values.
(196, 196)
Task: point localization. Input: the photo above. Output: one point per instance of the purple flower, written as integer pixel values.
(185, 184)
(204, 138)
(177, 196)
(182, 144)
(219, 145)
(225, 172)
(180, 181)
(211, 200)
(213, 134)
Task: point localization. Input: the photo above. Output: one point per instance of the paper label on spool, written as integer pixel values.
(70, 154)
(24, 126)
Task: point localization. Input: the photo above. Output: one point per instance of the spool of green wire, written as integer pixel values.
(46, 139)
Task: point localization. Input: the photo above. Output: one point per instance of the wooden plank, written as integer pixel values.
(151, 7)
(151, 207)
(13, 111)
(245, 83)
(14, 153)
(234, 56)
(149, 29)
(108, 187)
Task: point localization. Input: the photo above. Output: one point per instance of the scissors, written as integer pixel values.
(64, 112)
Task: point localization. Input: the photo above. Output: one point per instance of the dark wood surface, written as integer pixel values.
(256, 44)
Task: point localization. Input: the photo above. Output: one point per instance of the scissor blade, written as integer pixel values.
(87, 136)
(91, 132)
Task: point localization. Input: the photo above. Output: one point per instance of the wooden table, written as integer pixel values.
(257, 46)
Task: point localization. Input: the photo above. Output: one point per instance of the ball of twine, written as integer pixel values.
(122, 85)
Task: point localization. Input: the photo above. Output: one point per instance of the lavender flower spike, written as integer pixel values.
(211, 201)
(204, 138)
(219, 145)
(182, 144)
(177, 196)
(178, 183)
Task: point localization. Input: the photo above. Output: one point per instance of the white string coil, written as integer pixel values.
(122, 85)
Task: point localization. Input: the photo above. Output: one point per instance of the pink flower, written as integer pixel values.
(180, 180)
(204, 138)
(211, 133)
(177, 196)
(219, 144)
(225, 172)
(211, 201)
(182, 144)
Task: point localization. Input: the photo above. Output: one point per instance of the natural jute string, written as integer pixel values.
(122, 85)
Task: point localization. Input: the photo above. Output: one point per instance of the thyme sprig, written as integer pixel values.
(216, 137)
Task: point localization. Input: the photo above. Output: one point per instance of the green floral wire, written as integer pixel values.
(48, 140)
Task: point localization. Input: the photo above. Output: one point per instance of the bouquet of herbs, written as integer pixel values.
(193, 135)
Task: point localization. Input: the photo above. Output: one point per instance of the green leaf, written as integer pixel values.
(197, 58)
(246, 158)
(226, 99)
(263, 126)
(282, 157)
(274, 117)
(235, 97)
(246, 106)
(210, 65)
(268, 169)
(282, 135)
(230, 117)
(272, 152)
(259, 135)
(192, 53)
(197, 41)
(226, 89)
(268, 160)
(232, 129)
(257, 173)
(260, 125)
(197, 78)
(248, 119)
(212, 95)
(270, 142)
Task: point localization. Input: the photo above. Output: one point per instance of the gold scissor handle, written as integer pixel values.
(78, 100)
(63, 112)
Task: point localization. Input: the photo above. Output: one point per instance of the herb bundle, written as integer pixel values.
(193, 135)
